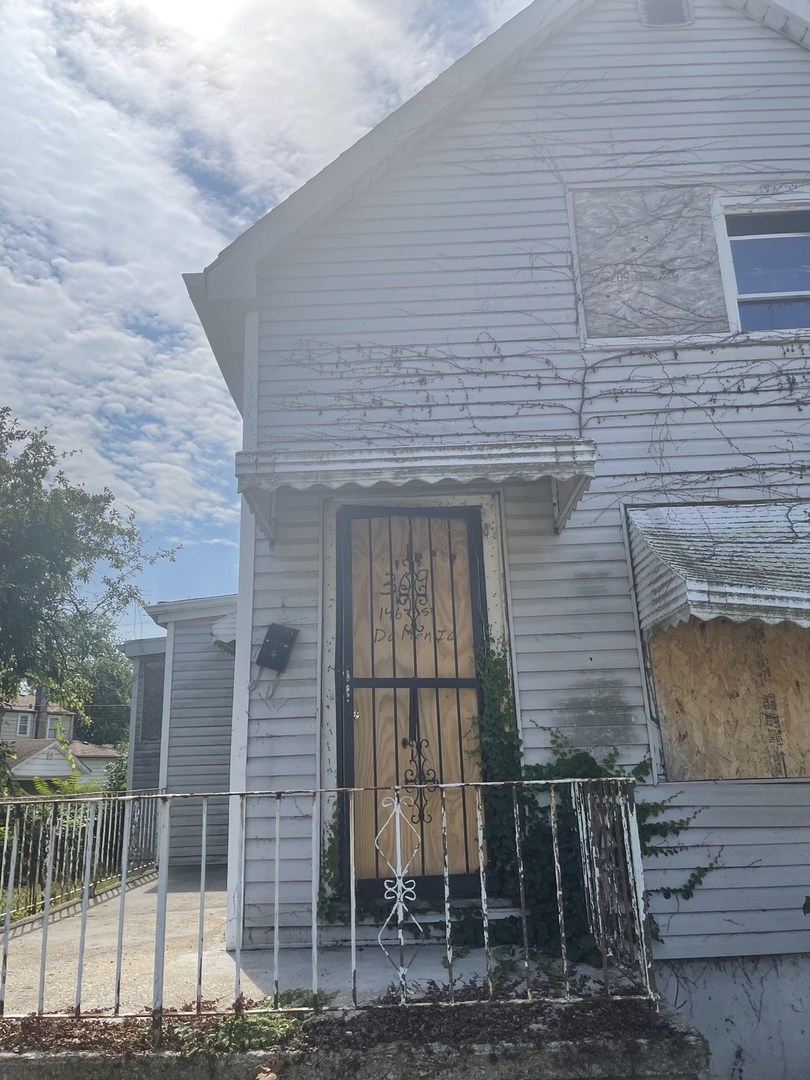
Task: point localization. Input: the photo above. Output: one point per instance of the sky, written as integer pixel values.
(138, 140)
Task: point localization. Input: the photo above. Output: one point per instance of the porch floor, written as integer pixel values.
(375, 971)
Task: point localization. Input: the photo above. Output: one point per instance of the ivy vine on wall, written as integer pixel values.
(502, 760)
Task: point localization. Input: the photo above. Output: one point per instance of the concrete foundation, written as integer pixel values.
(679, 1058)
(753, 1011)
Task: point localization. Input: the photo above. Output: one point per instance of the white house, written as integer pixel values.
(180, 723)
(529, 362)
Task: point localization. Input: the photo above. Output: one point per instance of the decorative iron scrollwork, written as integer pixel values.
(399, 842)
(409, 591)
(420, 778)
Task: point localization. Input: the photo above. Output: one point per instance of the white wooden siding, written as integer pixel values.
(199, 739)
(283, 732)
(752, 902)
(443, 300)
(444, 285)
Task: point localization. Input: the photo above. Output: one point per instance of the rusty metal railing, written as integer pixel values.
(537, 893)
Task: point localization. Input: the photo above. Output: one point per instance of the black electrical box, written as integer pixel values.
(276, 647)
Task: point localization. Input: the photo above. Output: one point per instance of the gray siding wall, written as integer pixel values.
(751, 902)
(8, 726)
(199, 739)
(445, 300)
(283, 730)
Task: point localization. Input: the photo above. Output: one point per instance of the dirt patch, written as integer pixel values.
(476, 1023)
(469, 1023)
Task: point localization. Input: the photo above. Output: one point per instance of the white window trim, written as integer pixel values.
(704, 341)
(23, 734)
(723, 205)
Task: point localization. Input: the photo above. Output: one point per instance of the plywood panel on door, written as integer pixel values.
(412, 617)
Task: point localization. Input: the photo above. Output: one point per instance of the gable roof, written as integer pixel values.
(27, 750)
(27, 703)
(81, 750)
(226, 290)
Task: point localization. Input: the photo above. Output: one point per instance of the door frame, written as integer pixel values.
(495, 594)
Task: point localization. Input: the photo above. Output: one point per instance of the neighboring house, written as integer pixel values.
(531, 361)
(43, 745)
(22, 719)
(182, 703)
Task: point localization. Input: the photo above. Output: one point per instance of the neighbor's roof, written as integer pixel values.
(226, 290)
(81, 749)
(26, 749)
(23, 748)
(737, 560)
(28, 701)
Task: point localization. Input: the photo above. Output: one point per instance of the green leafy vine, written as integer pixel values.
(502, 760)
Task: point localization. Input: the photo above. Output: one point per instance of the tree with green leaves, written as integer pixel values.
(70, 561)
(99, 683)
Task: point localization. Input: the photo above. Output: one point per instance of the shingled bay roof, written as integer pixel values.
(737, 560)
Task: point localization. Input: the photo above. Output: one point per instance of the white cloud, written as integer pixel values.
(138, 140)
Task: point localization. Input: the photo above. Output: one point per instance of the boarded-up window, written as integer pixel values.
(733, 699)
(648, 262)
(152, 700)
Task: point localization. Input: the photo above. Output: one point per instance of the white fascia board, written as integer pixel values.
(201, 607)
(143, 647)
(788, 17)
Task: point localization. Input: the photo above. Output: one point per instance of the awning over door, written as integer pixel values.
(740, 561)
(568, 462)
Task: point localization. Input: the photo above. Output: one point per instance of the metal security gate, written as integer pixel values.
(412, 614)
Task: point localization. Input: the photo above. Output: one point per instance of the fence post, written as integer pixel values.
(165, 808)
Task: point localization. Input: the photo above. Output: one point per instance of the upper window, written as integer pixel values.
(23, 725)
(54, 727)
(152, 699)
(770, 258)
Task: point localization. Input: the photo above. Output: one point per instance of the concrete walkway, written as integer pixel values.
(375, 971)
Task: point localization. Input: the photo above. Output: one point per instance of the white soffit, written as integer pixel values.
(736, 560)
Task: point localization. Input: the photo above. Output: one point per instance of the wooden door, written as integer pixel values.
(412, 615)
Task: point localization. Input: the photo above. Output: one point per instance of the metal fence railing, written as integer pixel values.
(52, 849)
(507, 888)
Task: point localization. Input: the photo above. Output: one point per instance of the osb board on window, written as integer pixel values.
(733, 699)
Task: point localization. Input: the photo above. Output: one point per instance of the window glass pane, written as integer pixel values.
(774, 314)
(772, 265)
(152, 706)
(790, 221)
(22, 725)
